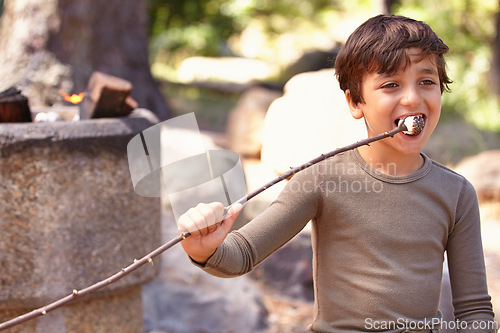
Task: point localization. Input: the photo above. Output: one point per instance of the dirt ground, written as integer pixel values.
(287, 316)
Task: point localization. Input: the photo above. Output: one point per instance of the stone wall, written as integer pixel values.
(70, 218)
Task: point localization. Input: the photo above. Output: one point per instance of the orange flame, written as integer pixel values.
(75, 99)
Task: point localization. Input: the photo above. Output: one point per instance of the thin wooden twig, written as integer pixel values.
(77, 294)
(320, 158)
(401, 127)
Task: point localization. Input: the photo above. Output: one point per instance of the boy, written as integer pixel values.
(378, 255)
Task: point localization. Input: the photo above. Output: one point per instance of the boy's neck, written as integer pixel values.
(390, 163)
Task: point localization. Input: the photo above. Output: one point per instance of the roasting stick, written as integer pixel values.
(409, 125)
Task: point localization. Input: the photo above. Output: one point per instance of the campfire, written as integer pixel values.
(63, 183)
(73, 99)
(106, 96)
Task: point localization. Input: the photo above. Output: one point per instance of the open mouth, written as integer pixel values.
(414, 124)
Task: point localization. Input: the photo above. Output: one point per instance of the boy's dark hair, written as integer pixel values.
(380, 45)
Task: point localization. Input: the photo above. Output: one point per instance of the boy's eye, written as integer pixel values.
(428, 82)
(389, 85)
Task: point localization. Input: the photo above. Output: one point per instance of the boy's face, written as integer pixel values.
(412, 91)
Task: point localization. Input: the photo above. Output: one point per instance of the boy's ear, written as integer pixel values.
(356, 111)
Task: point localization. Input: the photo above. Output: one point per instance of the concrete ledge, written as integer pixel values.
(119, 312)
(69, 214)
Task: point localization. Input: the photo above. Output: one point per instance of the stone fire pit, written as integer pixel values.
(69, 217)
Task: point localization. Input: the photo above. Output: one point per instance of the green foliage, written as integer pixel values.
(182, 28)
(188, 27)
(468, 28)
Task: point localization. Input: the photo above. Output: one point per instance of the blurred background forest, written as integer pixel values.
(279, 32)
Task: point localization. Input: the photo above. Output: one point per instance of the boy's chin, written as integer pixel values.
(412, 144)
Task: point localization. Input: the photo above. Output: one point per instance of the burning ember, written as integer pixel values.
(75, 99)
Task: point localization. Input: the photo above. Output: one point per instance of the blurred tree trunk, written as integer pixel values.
(387, 6)
(47, 45)
(495, 63)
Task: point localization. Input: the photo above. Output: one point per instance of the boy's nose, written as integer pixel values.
(411, 97)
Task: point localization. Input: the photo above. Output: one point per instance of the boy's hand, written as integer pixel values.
(207, 229)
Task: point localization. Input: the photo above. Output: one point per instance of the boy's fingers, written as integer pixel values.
(218, 210)
(192, 221)
(230, 216)
(212, 215)
(201, 219)
(208, 216)
(185, 223)
(234, 210)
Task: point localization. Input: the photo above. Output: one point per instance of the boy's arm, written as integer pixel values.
(281, 221)
(466, 266)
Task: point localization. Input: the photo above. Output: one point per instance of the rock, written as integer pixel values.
(225, 69)
(310, 119)
(289, 270)
(64, 112)
(144, 113)
(245, 121)
(483, 171)
(47, 117)
(310, 61)
(455, 139)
